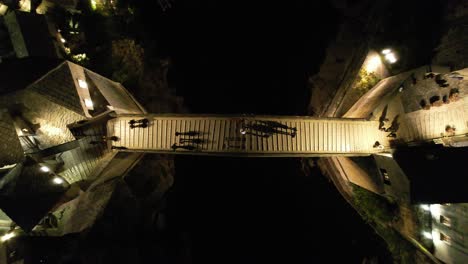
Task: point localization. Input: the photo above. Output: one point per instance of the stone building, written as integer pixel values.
(53, 123)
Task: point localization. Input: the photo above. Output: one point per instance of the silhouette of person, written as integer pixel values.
(191, 140)
(139, 121)
(275, 124)
(117, 147)
(143, 125)
(394, 126)
(188, 133)
(383, 118)
(268, 130)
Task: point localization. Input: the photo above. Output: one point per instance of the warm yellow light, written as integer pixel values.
(386, 51)
(435, 210)
(427, 235)
(425, 207)
(7, 236)
(93, 4)
(83, 84)
(63, 40)
(45, 169)
(88, 103)
(57, 180)
(373, 64)
(390, 57)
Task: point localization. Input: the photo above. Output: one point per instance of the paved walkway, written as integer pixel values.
(282, 136)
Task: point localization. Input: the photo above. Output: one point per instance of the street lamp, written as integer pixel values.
(389, 55)
(44, 169)
(57, 180)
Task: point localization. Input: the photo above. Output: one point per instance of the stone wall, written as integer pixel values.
(58, 86)
(452, 50)
(50, 119)
(337, 73)
(10, 148)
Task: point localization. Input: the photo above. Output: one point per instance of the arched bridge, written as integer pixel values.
(269, 136)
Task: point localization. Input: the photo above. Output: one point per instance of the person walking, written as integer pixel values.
(383, 118)
(117, 147)
(191, 140)
(275, 124)
(269, 130)
(187, 133)
(142, 125)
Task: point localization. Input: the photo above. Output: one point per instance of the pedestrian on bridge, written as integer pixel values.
(275, 124)
(191, 140)
(383, 118)
(268, 130)
(139, 123)
(142, 125)
(118, 147)
(394, 126)
(187, 133)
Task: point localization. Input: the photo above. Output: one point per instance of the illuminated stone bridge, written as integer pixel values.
(282, 136)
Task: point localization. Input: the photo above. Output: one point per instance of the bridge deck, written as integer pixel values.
(219, 135)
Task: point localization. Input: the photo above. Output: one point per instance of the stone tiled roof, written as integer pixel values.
(10, 147)
(115, 94)
(58, 86)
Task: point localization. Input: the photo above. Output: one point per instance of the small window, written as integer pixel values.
(445, 238)
(445, 220)
(386, 178)
(83, 84)
(88, 104)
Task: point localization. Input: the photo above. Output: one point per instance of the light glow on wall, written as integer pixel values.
(389, 55)
(425, 207)
(44, 169)
(386, 51)
(390, 58)
(435, 210)
(7, 236)
(24, 5)
(57, 180)
(373, 64)
(88, 103)
(83, 84)
(427, 235)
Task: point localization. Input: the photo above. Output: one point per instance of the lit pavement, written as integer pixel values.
(415, 123)
(220, 135)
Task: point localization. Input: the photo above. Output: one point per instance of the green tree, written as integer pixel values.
(365, 81)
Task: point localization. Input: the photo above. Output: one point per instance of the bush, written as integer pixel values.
(374, 207)
(127, 61)
(365, 81)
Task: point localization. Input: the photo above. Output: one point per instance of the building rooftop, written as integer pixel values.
(10, 147)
